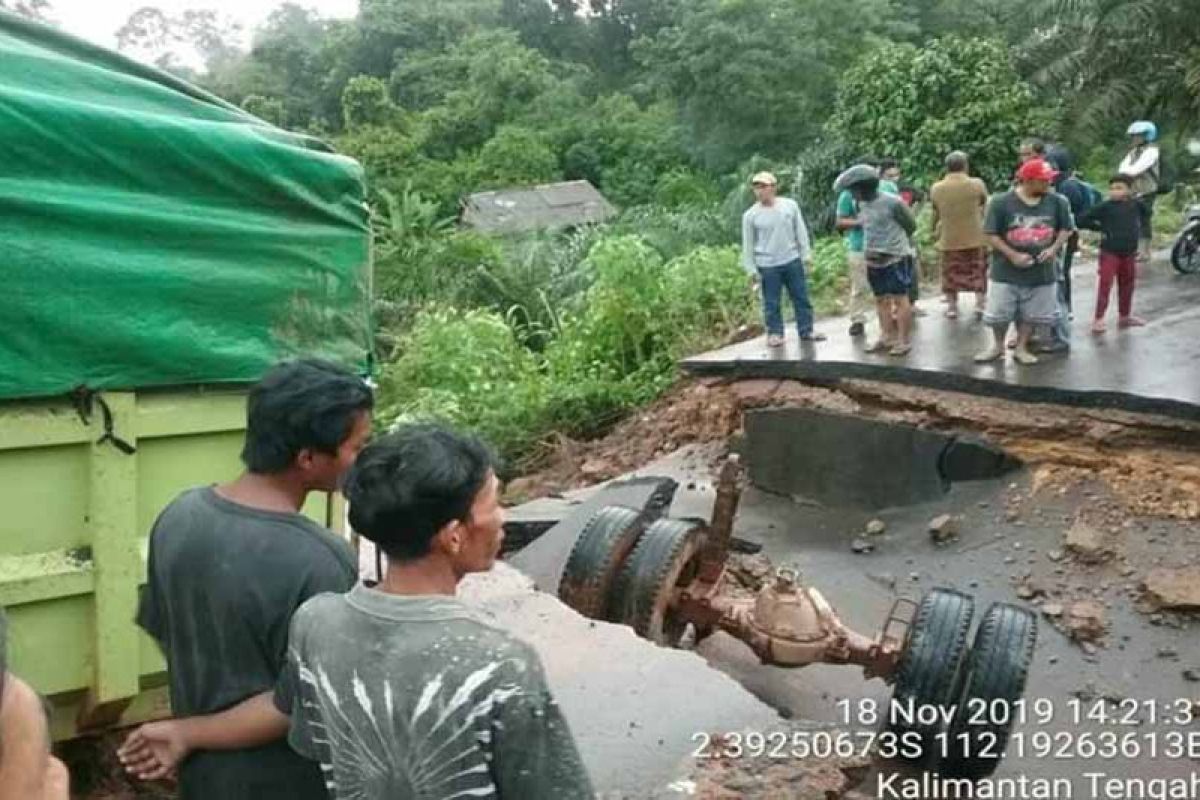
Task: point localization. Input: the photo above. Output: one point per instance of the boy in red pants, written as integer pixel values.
(1119, 220)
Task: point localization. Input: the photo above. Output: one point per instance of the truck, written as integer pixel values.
(162, 248)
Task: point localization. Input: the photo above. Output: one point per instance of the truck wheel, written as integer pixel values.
(597, 557)
(992, 681)
(929, 667)
(664, 560)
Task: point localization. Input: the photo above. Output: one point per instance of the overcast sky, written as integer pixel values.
(98, 20)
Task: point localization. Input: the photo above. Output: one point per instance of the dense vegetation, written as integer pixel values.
(666, 106)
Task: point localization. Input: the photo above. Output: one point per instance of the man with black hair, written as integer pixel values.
(27, 770)
(228, 567)
(401, 690)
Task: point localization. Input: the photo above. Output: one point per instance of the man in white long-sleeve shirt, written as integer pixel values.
(775, 246)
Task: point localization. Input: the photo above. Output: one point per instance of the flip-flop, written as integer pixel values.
(900, 350)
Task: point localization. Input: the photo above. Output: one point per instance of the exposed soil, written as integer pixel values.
(1150, 464)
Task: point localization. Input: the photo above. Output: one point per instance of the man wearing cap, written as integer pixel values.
(774, 248)
(1027, 227)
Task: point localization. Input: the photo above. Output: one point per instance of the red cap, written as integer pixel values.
(1036, 169)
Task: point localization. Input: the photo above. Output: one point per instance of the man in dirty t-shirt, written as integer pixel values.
(228, 566)
(401, 691)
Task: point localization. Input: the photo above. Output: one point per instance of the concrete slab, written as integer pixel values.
(635, 708)
(543, 559)
(1152, 369)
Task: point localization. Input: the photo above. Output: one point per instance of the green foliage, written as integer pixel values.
(516, 157)
(466, 368)
(1114, 61)
(757, 76)
(918, 104)
(268, 109)
(681, 188)
(365, 102)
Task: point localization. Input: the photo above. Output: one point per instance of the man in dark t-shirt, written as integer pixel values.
(229, 565)
(1027, 228)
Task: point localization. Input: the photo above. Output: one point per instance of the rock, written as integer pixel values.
(1029, 590)
(1012, 515)
(876, 527)
(1055, 555)
(886, 579)
(1052, 660)
(1085, 621)
(1052, 609)
(593, 468)
(1174, 588)
(1168, 652)
(1009, 560)
(943, 528)
(1087, 543)
(861, 546)
(914, 576)
(1088, 648)
(1192, 675)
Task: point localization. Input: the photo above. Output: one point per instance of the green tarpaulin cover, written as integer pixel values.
(154, 235)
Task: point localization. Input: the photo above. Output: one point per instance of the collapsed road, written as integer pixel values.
(1084, 517)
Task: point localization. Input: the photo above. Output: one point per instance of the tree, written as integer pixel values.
(168, 40)
(268, 109)
(1117, 60)
(365, 102)
(759, 75)
(516, 157)
(918, 104)
(38, 10)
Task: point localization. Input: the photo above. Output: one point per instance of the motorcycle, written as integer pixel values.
(1185, 254)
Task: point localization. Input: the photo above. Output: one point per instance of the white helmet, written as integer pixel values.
(1143, 128)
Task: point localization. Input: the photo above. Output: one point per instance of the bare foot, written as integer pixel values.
(900, 349)
(878, 346)
(775, 340)
(1099, 326)
(1131, 322)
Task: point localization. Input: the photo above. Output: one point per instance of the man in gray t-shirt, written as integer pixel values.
(1027, 228)
(400, 690)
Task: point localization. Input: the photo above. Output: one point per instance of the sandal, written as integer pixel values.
(900, 349)
(775, 341)
(878, 346)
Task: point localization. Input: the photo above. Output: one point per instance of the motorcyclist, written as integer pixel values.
(1143, 164)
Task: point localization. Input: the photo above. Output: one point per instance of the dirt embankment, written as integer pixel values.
(1150, 463)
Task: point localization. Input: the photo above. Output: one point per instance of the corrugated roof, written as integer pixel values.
(531, 208)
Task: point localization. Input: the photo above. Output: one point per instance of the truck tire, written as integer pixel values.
(995, 673)
(596, 559)
(928, 670)
(666, 557)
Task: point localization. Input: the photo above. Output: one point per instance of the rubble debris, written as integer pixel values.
(1085, 621)
(943, 528)
(1174, 588)
(876, 527)
(1055, 555)
(1028, 590)
(1087, 542)
(1192, 675)
(1052, 609)
(861, 546)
